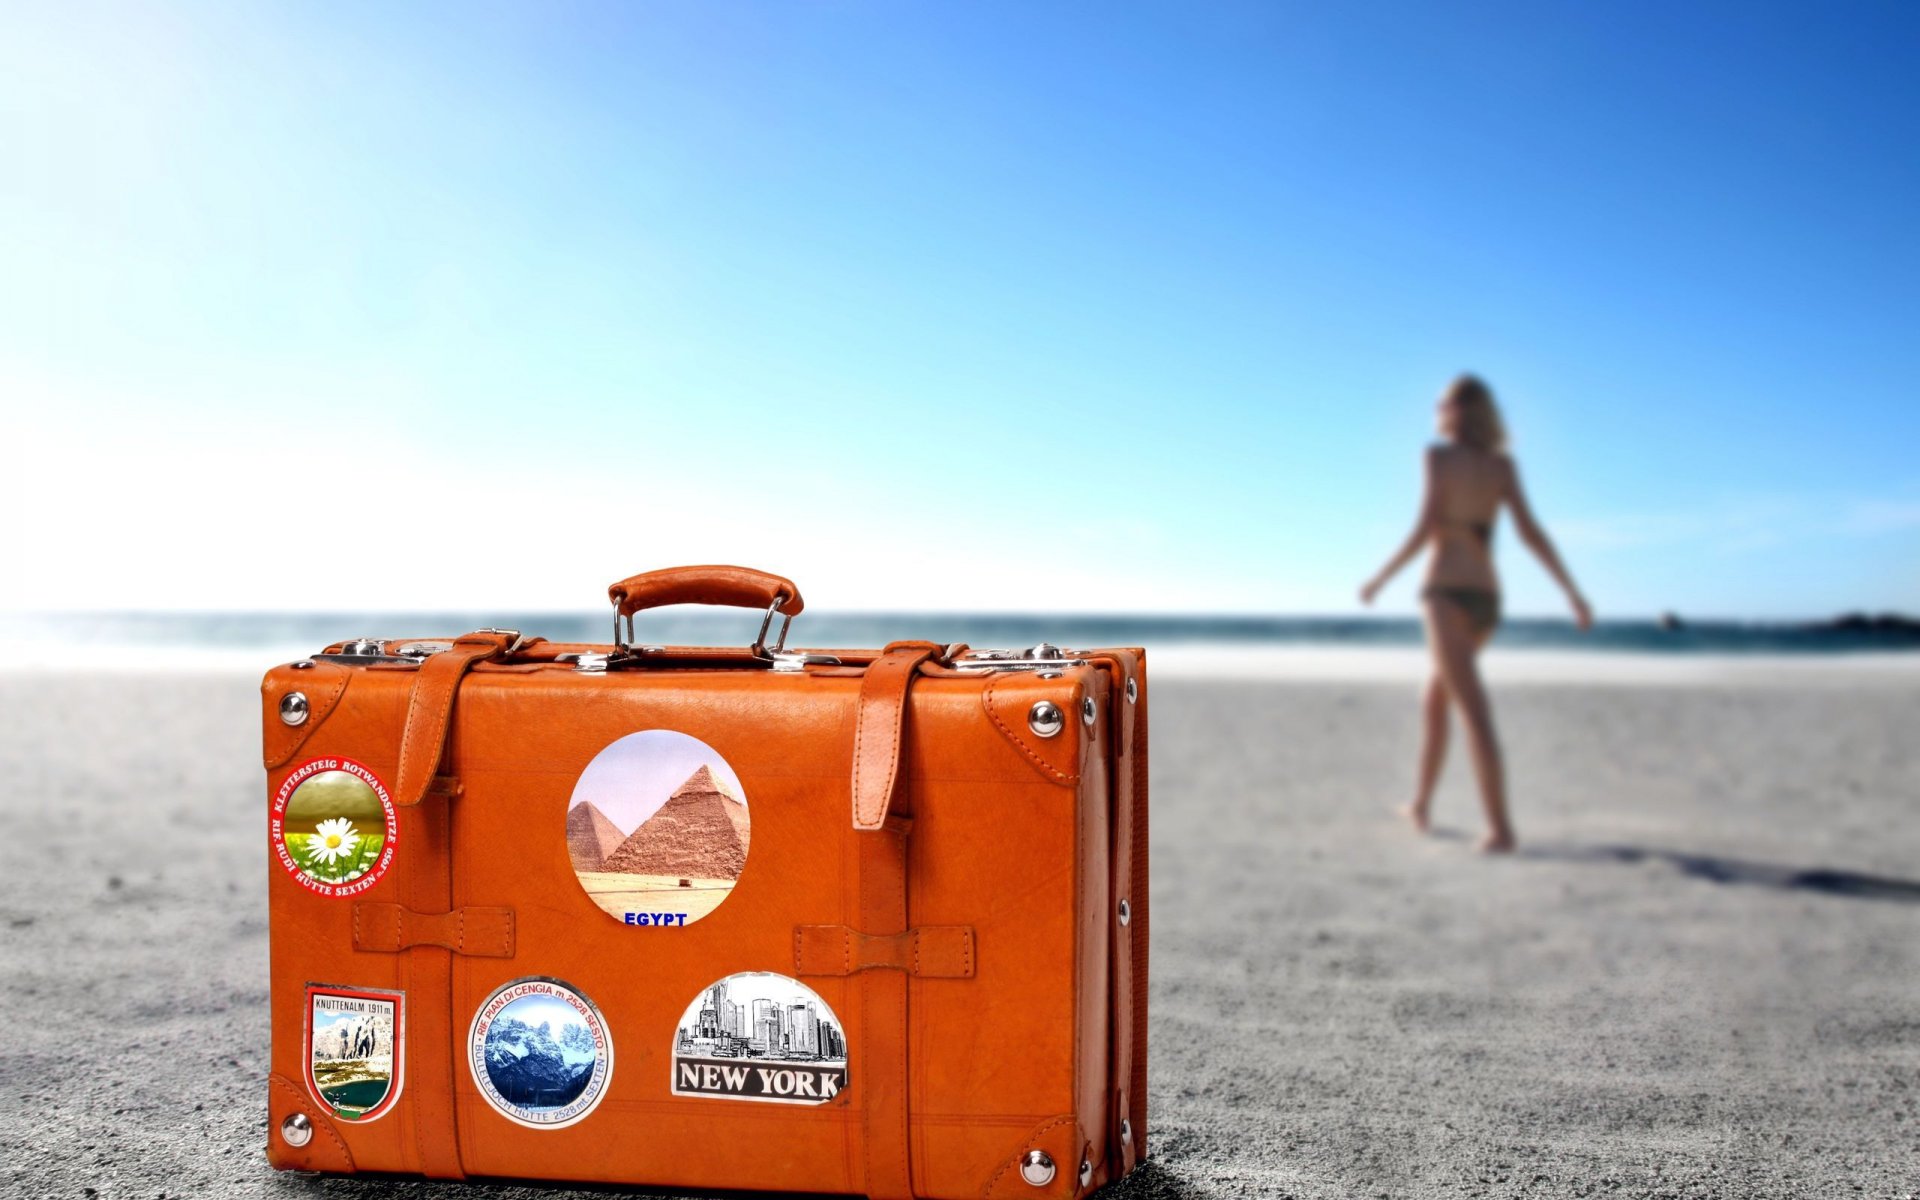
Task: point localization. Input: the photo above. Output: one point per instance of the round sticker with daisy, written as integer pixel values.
(333, 826)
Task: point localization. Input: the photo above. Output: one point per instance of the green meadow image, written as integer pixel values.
(334, 827)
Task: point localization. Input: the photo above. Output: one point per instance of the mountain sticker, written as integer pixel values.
(657, 829)
(356, 1050)
(540, 1053)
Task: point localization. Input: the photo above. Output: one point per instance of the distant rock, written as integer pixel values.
(1895, 626)
(1671, 622)
(699, 832)
(591, 837)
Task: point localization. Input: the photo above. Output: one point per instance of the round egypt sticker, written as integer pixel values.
(657, 829)
(540, 1052)
(333, 826)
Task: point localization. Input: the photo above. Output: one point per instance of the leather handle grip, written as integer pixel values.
(732, 587)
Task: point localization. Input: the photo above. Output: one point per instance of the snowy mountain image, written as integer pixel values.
(350, 1036)
(539, 1065)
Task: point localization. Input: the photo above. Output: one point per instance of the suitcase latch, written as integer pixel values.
(362, 652)
(1044, 657)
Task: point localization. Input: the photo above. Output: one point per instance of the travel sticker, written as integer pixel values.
(333, 826)
(657, 829)
(760, 1036)
(540, 1053)
(356, 1042)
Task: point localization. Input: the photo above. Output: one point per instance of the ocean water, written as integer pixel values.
(275, 636)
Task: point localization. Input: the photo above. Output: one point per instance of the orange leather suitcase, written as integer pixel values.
(848, 921)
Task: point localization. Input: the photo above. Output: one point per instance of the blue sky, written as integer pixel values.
(969, 306)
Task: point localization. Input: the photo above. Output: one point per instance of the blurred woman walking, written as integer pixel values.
(1469, 477)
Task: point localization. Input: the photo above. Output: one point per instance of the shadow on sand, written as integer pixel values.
(1827, 881)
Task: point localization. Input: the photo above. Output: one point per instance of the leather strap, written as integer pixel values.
(881, 872)
(430, 709)
(880, 727)
(427, 830)
(929, 952)
(882, 868)
(385, 928)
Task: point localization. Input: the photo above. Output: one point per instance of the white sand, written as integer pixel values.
(1702, 978)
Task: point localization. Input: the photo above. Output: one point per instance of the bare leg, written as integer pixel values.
(1456, 646)
(1433, 749)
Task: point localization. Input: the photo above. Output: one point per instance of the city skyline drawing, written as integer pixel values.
(761, 1015)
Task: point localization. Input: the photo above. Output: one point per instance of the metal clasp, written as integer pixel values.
(1044, 657)
(759, 647)
(366, 652)
(777, 656)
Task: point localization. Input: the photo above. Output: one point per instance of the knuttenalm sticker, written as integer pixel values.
(540, 1052)
(657, 829)
(356, 1049)
(333, 826)
(759, 1035)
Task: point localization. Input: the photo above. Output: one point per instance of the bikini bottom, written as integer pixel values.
(1482, 605)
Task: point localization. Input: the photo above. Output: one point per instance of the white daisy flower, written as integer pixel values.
(331, 840)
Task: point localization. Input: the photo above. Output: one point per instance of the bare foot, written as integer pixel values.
(1498, 842)
(1417, 813)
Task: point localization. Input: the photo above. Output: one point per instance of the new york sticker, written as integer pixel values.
(657, 829)
(758, 1035)
(540, 1053)
(356, 1049)
(333, 826)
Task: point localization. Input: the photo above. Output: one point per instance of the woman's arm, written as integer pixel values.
(1542, 546)
(1422, 530)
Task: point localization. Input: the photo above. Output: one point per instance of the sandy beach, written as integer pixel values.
(1700, 978)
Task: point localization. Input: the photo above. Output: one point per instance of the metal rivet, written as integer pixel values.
(297, 1130)
(1126, 1130)
(1046, 674)
(1045, 718)
(1086, 1172)
(1088, 711)
(1036, 1167)
(1133, 692)
(293, 708)
(1126, 911)
(305, 664)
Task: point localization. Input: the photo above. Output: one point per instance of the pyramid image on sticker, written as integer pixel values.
(658, 828)
(590, 836)
(699, 832)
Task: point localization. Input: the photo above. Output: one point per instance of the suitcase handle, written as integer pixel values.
(733, 587)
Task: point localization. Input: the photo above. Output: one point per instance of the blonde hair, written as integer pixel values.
(1480, 423)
